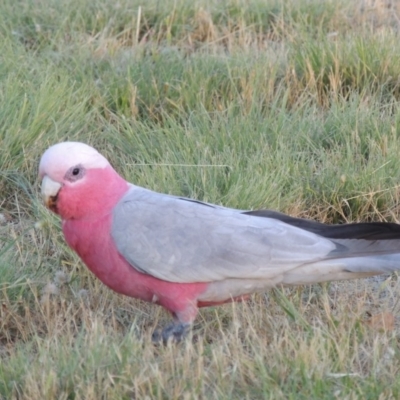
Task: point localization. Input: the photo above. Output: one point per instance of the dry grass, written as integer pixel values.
(290, 105)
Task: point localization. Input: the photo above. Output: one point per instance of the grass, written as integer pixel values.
(288, 105)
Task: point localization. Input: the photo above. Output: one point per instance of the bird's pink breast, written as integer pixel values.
(93, 243)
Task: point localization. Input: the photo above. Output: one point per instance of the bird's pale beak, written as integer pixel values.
(50, 191)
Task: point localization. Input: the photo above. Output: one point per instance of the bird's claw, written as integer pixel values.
(174, 332)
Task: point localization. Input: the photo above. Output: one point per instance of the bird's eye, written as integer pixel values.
(75, 173)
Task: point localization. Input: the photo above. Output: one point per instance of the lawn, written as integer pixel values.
(290, 105)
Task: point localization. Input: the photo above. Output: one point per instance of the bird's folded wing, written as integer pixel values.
(180, 240)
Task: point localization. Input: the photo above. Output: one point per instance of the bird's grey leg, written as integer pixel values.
(180, 328)
(174, 332)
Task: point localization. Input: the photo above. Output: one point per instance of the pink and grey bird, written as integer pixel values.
(184, 254)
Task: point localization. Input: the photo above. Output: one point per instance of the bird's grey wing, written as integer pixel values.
(360, 230)
(180, 240)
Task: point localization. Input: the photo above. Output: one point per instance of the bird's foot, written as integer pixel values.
(174, 332)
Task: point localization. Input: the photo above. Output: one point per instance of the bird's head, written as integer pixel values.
(78, 182)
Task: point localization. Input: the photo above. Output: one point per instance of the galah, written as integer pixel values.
(184, 254)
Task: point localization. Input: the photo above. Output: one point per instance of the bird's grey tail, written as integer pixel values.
(361, 249)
